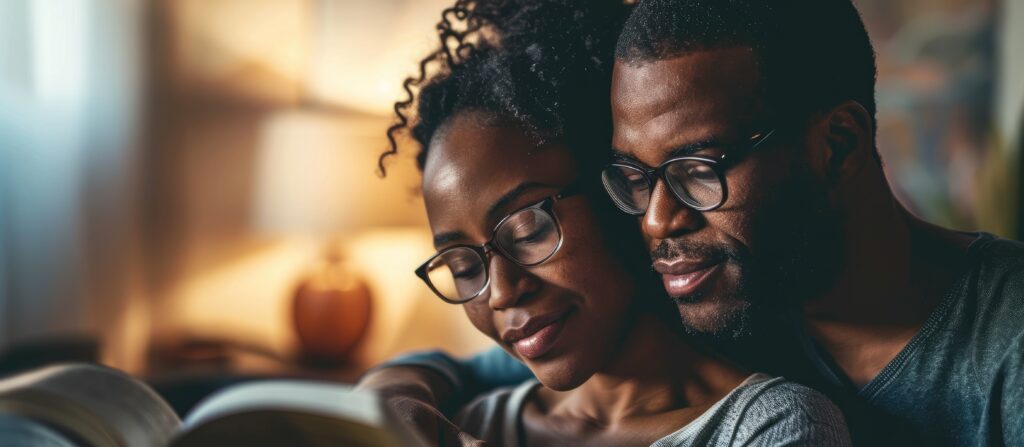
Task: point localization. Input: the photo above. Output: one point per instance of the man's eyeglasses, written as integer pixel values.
(526, 237)
(698, 182)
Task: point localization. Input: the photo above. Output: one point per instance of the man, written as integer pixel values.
(745, 139)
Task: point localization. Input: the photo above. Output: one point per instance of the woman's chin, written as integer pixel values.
(562, 386)
(561, 374)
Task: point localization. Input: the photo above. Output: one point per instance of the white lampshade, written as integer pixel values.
(317, 175)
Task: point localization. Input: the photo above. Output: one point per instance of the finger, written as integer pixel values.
(419, 416)
(465, 440)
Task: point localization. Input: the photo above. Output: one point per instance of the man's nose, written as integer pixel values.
(667, 216)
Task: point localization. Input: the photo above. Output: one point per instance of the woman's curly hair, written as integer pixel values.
(545, 65)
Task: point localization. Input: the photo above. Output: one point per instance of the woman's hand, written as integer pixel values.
(414, 394)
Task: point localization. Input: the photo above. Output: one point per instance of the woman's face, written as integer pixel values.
(564, 317)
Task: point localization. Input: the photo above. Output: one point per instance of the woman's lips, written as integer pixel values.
(541, 341)
(684, 284)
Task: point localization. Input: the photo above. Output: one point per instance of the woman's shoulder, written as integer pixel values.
(494, 416)
(760, 388)
(767, 410)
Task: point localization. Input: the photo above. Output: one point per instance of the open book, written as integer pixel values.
(88, 405)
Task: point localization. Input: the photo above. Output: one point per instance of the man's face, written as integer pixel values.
(775, 239)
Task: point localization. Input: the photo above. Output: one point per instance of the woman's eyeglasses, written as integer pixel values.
(526, 237)
(698, 182)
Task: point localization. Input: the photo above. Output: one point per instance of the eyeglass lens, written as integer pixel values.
(528, 237)
(693, 181)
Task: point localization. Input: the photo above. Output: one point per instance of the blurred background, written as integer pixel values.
(190, 185)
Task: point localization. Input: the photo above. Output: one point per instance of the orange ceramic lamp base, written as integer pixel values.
(331, 310)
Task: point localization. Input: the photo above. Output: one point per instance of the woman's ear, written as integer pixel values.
(850, 141)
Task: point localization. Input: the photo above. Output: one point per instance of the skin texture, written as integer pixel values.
(810, 213)
(608, 381)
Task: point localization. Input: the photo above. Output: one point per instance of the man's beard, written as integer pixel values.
(730, 319)
(798, 256)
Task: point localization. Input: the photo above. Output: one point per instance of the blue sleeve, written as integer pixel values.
(495, 368)
(471, 376)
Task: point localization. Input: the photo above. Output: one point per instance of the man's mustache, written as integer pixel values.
(669, 249)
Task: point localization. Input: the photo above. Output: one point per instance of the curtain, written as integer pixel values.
(70, 85)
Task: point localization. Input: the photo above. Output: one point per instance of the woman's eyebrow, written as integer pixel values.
(451, 236)
(493, 213)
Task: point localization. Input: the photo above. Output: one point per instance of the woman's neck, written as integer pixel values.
(654, 371)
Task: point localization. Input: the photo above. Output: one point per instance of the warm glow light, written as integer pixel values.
(129, 336)
(246, 300)
(363, 51)
(406, 315)
(250, 299)
(253, 48)
(351, 54)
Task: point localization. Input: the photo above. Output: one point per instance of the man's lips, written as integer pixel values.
(684, 278)
(538, 335)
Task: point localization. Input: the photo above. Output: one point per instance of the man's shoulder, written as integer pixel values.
(999, 253)
(989, 306)
(998, 280)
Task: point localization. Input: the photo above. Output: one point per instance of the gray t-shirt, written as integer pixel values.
(960, 379)
(762, 411)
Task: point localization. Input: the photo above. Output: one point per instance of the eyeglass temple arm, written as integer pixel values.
(763, 137)
(758, 139)
(574, 188)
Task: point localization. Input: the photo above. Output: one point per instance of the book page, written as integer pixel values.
(289, 412)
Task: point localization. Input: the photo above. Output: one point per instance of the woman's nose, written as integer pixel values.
(510, 282)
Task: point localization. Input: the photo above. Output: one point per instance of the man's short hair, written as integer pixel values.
(812, 54)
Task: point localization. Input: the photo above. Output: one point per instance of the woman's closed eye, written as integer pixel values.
(531, 232)
(464, 269)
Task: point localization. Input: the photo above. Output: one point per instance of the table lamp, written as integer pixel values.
(316, 178)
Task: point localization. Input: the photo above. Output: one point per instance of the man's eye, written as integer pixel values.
(637, 182)
(702, 173)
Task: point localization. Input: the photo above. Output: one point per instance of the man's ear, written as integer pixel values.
(849, 138)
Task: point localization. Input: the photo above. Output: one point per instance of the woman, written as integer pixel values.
(512, 119)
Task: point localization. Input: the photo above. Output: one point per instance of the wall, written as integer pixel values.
(1010, 92)
(233, 105)
(1010, 96)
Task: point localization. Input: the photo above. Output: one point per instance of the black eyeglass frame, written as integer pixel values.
(717, 165)
(484, 250)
